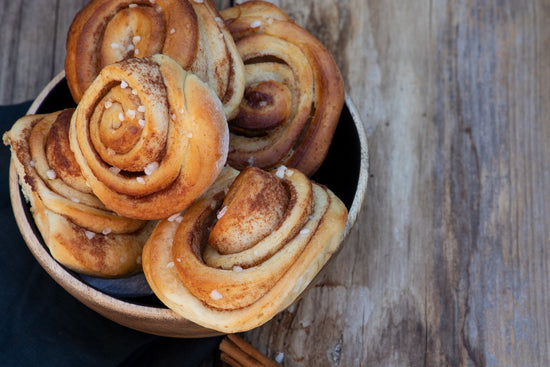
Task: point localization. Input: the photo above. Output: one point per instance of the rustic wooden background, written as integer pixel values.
(448, 264)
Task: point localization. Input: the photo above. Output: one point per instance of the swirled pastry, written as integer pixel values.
(80, 232)
(246, 249)
(294, 91)
(149, 137)
(190, 32)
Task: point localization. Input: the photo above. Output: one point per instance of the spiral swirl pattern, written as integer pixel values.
(294, 91)
(190, 32)
(80, 231)
(149, 137)
(202, 267)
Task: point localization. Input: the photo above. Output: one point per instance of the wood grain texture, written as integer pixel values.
(448, 264)
(33, 45)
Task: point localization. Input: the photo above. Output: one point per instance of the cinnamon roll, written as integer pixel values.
(190, 32)
(294, 91)
(149, 137)
(80, 232)
(246, 249)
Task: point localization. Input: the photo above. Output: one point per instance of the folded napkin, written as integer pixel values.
(42, 324)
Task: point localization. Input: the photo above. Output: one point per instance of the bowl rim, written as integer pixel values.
(137, 316)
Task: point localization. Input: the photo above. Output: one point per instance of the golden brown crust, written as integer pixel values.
(253, 207)
(190, 32)
(239, 291)
(149, 137)
(79, 230)
(294, 91)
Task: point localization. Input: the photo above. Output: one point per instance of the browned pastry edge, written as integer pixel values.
(192, 33)
(303, 141)
(175, 123)
(161, 272)
(79, 231)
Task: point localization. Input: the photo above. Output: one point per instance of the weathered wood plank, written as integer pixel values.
(449, 260)
(365, 313)
(485, 116)
(33, 40)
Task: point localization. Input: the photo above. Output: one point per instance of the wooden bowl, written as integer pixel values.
(344, 171)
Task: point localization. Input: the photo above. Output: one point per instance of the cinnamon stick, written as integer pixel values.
(236, 352)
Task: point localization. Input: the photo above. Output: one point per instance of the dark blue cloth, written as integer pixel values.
(42, 324)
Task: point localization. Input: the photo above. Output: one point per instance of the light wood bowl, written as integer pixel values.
(344, 171)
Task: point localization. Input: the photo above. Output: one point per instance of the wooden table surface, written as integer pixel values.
(448, 264)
